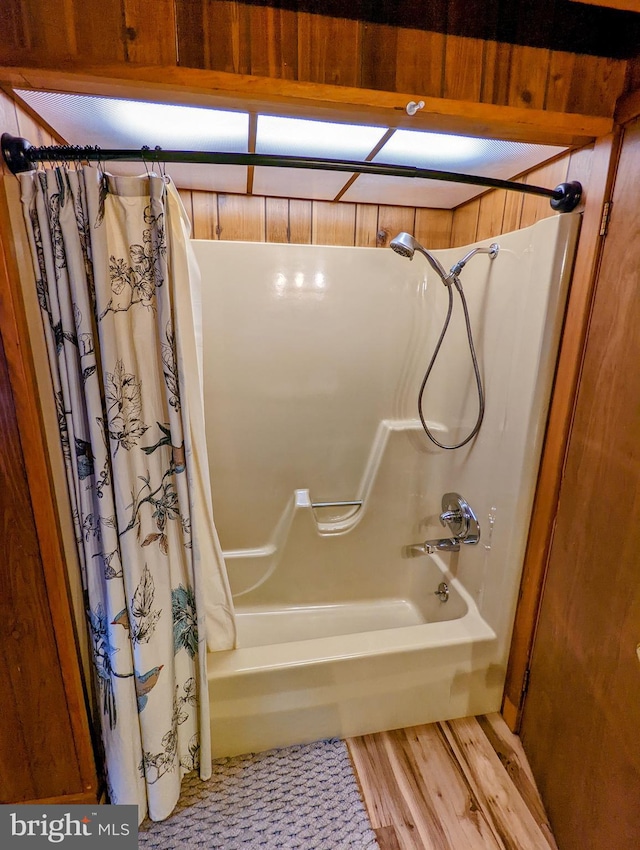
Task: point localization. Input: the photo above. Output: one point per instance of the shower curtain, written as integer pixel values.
(112, 267)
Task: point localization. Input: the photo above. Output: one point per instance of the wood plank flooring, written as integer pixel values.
(457, 785)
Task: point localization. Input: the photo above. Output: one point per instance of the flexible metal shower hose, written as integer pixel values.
(476, 370)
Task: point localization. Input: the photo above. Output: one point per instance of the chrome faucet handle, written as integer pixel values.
(450, 516)
(462, 522)
(458, 515)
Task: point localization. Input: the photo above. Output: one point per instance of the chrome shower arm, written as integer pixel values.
(492, 251)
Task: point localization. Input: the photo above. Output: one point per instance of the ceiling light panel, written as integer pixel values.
(465, 154)
(409, 192)
(317, 139)
(116, 123)
(307, 183)
(301, 137)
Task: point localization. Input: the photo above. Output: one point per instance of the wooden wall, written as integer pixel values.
(501, 211)
(20, 122)
(259, 219)
(225, 35)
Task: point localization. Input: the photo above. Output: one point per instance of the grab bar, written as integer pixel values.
(350, 504)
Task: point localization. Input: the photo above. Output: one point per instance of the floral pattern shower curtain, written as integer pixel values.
(113, 268)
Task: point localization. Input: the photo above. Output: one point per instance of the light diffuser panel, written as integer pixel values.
(116, 123)
(300, 137)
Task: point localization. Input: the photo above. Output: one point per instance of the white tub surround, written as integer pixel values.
(313, 357)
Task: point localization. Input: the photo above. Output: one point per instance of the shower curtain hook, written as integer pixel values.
(162, 168)
(103, 183)
(146, 148)
(79, 159)
(99, 160)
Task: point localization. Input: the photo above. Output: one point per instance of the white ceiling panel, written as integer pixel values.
(408, 191)
(312, 184)
(464, 154)
(301, 137)
(211, 178)
(114, 123)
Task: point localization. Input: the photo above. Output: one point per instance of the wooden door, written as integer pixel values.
(581, 722)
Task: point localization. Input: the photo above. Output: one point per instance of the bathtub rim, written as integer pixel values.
(470, 628)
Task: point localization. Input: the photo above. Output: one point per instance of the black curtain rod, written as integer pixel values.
(20, 156)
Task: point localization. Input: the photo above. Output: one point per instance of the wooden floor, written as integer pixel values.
(457, 785)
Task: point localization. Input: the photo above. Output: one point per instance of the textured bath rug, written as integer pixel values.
(304, 797)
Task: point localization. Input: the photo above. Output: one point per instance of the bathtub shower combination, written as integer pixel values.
(359, 609)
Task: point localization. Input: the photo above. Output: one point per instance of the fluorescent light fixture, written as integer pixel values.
(175, 126)
(111, 122)
(302, 137)
(465, 154)
(409, 147)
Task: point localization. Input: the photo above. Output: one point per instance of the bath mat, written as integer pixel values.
(304, 797)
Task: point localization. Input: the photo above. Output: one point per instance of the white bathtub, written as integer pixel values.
(312, 671)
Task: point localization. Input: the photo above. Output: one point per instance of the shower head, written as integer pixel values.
(406, 245)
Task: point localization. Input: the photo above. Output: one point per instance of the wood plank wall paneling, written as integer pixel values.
(260, 219)
(239, 38)
(277, 53)
(433, 227)
(391, 220)
(633, 74)
(241, 217)
(535, 207)
(501, 211)
(300, 222)
(465, 223)
(463, 68)
(333, 224)
(145, 34)
(366, 225)
(12, 24)
(20, 122)
(277, 219)
(421, 68)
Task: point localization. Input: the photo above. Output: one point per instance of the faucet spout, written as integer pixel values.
(445, 544)
(429, 547)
